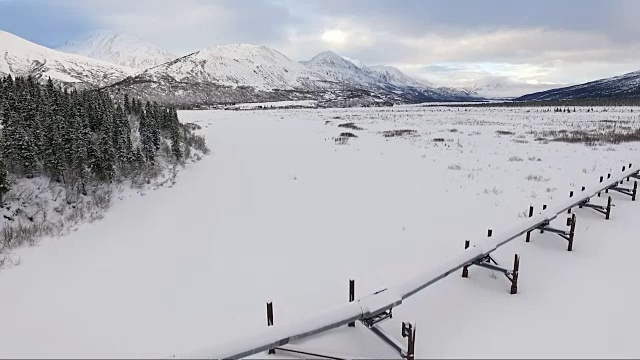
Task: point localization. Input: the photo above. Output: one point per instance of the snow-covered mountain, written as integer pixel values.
(253, 73)
(19, 57)
(119, 48)
(627, 85)
(227, 74)
(338, 69)
(234, 65)
(386, 78)
(393, 76)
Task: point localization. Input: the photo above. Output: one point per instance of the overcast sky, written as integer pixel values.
(526, 45)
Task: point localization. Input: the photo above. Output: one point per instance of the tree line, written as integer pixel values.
(76, 137)
(620, 101)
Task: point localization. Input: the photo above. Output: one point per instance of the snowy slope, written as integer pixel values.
(393, 76)
(119, 48)
(21, 57)
(627, 85)
(243, 73)
(234, 65)
(340, 70)
(374, 78)
(281, 213)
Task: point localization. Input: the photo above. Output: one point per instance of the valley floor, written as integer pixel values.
(281, 211)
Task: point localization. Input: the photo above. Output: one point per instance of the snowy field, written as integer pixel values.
(282, 211)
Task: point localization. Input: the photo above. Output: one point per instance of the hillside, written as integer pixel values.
(20, 57)
(120, 48)
(627, 85)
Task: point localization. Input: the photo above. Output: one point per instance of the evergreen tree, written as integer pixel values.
(174, 134)
(104, 162)
(127, 104)
(4, 180)
(153, 126)
(146, 139)
(80, 162)
(122, 137)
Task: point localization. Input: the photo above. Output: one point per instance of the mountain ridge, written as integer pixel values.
(621, 86)
(20, 57)
(120, 48)
(255, 73)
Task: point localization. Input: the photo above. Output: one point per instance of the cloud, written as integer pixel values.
(189, 25)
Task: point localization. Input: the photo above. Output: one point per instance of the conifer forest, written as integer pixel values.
(81, 141)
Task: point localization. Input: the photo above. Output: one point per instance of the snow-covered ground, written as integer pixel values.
(273, 105)
(281, 211)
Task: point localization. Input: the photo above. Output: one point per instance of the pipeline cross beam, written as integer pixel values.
(605, 210)
(383, 301)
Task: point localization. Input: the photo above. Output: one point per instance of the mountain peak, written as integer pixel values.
(235, 65)
(393, 75)
(329, 59)
(119, 47)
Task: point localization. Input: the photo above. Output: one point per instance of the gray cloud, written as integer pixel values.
(190, 25)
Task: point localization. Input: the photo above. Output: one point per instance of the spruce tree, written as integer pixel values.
(122, 137)
(105, 160)
(153, 126)
(175, 134)
(146, 139)
(127, 104)
(4, 180)
(80, 163)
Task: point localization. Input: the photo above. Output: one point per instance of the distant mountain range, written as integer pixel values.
(253, 73)
(121, 62)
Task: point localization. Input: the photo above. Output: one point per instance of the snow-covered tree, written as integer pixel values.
(4, 180)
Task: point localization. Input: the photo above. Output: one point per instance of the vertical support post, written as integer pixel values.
(514, 275)
(409, 332)
(270, 321)
(601, 180)
(606, 191)
(465, 269)
(635, 191)
(352, 297)
(572, 232)
(544, 207)
(608, 208)
(570, 195)
(530, 215)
